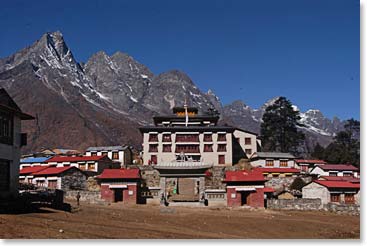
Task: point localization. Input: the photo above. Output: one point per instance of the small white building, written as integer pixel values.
(122, 154)
(33, 162)
(11, 141)
(272, 160)
(332, 191)
(335, 170)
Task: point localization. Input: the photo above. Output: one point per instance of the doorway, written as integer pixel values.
(245, 198)
(118, 195)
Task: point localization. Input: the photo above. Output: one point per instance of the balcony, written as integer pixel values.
(183, 165)
(187, 138)
(187, 149)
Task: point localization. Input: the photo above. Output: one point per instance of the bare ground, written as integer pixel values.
(142, 221)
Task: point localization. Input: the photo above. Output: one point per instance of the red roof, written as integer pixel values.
(29, 170)
(311, 161)
(268, 189)
(75, 158)
(243, 176)
(337, 184)
(277, 170)
(120, 174)
(53, 171)
(339, 167)
(343, 178)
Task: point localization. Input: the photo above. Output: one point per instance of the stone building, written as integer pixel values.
(332, 191)
(120, 185)
(121, 154)
(11, 141)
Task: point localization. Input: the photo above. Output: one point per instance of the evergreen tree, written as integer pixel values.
(318, 152)
(279, 127)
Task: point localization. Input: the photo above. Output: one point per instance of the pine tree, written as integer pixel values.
(279, 127)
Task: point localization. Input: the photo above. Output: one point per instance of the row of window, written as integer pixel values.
(348, 198)
(282, 163)
(190, 138)
(153, 160)
(190, 148)
(115, 154)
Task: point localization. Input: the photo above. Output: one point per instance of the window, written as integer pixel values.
(333, 174)
(349, 198)
(91, 166)
(153, 137)
(187, 149)
(40, 183)
(30, 180)
(222, 147)
(153, 147)
(52, 184)
(347, 174)
(248, 141)
(153, 159)
(94, 154)
(283, 163)
(6, 128)
(187, 138)
(335, 197)
(166, 138)
(104, 153)
(82, 166)
(115, 155)
(167, 148)
(221, 159)
(208, 148)
(222, 137)
(248, 151)
(269, 163)
(208, 138)
(4, 175)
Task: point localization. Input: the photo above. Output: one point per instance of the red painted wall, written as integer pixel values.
(256, 199)
(130, 199)
(107, 194)
(233, 202)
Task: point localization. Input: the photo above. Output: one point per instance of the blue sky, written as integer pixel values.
(306, 50)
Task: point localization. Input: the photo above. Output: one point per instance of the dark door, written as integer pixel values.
(244, 197)
(118, 195)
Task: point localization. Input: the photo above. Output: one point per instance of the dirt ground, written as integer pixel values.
(142, 221)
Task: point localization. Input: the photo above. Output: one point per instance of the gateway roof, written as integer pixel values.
(120, 174)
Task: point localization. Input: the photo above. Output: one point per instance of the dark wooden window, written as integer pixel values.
(153, 147)
(208, 148)
(167, 148)
(333, 174)
(153, 159)
(283, 163)
(166, 138)
(349, 198)
(221, 159)
(222, 137)
(52, 184)
(248, 141)
(82, 166)
(208, 138)
(222, 147)
(91, 166)
(335, 197)
(347, 174)
(94, 154)
(104, 153)
(115, 155)
(6, 128)
(187, 148)
(4, 175)
(153, 137)
(269, 163)
(248, 151)
(187, 138)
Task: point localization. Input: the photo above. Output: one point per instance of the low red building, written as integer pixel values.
(245, 188)
(120, 185)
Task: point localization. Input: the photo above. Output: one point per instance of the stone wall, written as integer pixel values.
(93, 197)
(353, 209)
(295, 204)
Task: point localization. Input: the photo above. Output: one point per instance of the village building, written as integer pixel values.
(33, 161)
(184, 145)
(120, 185)
(278, 172)
(335, 170)
(272, 160)
(332, 191)
(121, 154)
(11, 141)
(90, 164)
(64, 178)
(26, 173)
(245, 188)
(305, 165)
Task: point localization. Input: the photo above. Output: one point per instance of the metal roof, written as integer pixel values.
(34, 159)
(273, 155)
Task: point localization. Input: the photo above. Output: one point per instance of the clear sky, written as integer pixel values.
(306, 50)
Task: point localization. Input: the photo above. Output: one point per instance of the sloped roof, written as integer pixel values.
(273, 155)
(8, 104)
(29, 170)
(341, 178)
(34, 159)
(338, 167)
(338, 184)
(277, 170)
(269, 189)
(107, 148)
(76, 158)
(310, 161)
(243, 176)
(120, 174)
(53, 171)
